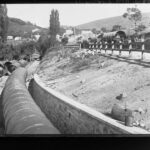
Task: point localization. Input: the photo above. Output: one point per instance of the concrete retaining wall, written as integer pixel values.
(21, 114)
(72, 117)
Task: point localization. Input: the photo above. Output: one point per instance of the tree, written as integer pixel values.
(94, 30)
(3, 22)
(54, 26)
(103, 29)
(116, 27)
(64, 40)
(77, 31)
(43, 44)
(62, 31)
(134, 15)
(141, 27)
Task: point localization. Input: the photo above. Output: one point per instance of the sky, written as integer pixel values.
(69, 14)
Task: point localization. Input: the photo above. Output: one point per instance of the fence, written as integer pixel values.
(130, 47)
(72, 46)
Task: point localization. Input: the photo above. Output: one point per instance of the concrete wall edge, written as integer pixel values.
(95, 114)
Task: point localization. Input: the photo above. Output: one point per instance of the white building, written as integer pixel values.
(9, 37)
(58, 37)
(68, 33)
(17, 38)
(37, 36)
(87, 34)
(35, 30)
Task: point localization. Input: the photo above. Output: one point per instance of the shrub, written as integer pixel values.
(64, 40)
(85, 44)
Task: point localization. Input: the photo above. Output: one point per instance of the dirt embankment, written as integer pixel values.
(96, 81)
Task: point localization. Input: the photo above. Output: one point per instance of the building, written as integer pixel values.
(17, 38)
(35, 30)
(9, 37)
(87, 34)
(68, 33)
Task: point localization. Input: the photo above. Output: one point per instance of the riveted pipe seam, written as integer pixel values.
(12, 106)
(14, 114)
(9, 107)
(21, 114)
(12, 123)
(17, 100)
(18, 111)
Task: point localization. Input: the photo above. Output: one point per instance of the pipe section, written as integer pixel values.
(21, 114)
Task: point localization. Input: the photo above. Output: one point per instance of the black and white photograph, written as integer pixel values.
(74, 69)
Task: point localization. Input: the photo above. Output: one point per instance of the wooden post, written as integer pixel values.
(113, 46)
(89, 46)
(120, 46)
(143, 48)
(130, 48)
(100, 46)
(106, 46)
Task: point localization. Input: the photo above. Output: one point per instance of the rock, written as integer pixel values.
(82, 81)
(74, 95)
(142, 124)
(140, 110)
(134, 124)
(118, 112)
(137, 123)
(121, 96)
(23, 62)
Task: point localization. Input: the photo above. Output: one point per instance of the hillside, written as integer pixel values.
(109, 22)
(19, 27)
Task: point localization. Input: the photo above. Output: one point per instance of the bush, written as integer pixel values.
(147, 44)
(64, 40)
(81, 64)
(85, 44)
(14, 52)
(6, 52)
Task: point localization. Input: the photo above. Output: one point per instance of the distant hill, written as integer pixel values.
(18, 27)
(109, 22)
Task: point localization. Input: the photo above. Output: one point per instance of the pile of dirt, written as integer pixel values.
(96, 81)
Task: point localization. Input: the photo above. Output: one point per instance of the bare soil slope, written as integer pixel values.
(96, 81)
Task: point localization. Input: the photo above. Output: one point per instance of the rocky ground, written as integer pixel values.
(97, 81)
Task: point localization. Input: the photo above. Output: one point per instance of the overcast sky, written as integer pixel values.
(69, 14)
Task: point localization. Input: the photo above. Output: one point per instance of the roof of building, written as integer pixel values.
(109, 34)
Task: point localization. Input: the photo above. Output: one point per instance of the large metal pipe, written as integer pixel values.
(21, 114)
